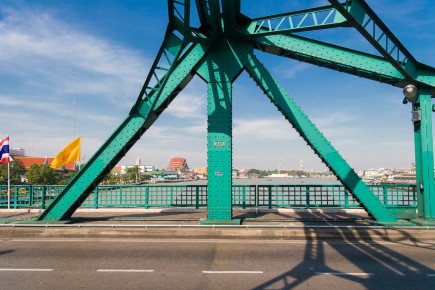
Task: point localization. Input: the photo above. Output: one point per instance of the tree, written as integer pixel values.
(42, 175)
(112, 178)
(66, 177)
(16, 169)
(131, 174)
(254, 171)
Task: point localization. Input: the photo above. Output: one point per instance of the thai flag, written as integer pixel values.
(4, 150)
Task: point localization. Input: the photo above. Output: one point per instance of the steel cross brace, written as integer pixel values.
(304, 20)
(364, 19)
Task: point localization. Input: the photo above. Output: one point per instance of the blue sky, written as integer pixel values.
(99, 53)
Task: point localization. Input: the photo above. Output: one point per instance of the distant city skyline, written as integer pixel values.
(57, 55)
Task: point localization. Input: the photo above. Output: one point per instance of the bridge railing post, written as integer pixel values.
(307, 197)
(96, 197)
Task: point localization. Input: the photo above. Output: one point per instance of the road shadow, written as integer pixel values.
(5, 252)
(313, 216)
(391, 269)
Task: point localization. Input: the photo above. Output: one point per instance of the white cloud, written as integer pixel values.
(291, 69)
(271, 129)
(45, 53)
(167, 135)
(188, 106)
(44, 63)
(334, 119)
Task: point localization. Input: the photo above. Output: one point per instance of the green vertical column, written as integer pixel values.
(219, 150)
(424, 157)
(222, 65)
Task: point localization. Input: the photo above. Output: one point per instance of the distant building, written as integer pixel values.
(18, 152)
(385, 175)
(243, 173)
(116, 170)
(201, 170)
(177, 164)
(149, 168)
(142, 168)
(280, 175)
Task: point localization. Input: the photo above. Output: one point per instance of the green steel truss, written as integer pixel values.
(220, 49)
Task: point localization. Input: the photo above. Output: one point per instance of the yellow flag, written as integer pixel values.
(70, 153)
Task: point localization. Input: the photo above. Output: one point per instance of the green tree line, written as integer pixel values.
(45, 175)
(37, 174)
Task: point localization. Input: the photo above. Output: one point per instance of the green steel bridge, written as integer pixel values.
(224, 44)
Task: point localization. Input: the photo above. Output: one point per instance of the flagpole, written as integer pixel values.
(9, 186)
(80, 152)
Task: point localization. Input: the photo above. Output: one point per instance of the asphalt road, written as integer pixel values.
(213, 264)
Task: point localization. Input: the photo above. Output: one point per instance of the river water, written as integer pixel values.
(274, 181)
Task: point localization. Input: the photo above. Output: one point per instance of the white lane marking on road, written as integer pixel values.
(346, 274)
(125, 270)
(232, 272)
(431, 275)
(26, 270)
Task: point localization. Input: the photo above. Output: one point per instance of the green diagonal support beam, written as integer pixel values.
(342, 59)
(317, 141)
(139, 120)
(82, 184)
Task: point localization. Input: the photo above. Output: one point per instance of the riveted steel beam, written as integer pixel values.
(342, 59)
(424, 157)
(221, 67)
(209, 16)
(230, 13)
(179, 14)
(315, 139)
(330, 56)
(219, 149)
(143, 115)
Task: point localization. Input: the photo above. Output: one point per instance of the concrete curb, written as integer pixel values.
(190, 210)
(344, 233)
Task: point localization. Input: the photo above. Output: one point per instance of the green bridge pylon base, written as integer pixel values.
(220, 222)
(219, 50)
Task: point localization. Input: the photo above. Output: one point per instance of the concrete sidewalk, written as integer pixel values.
(256, 224)
(193, 216)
